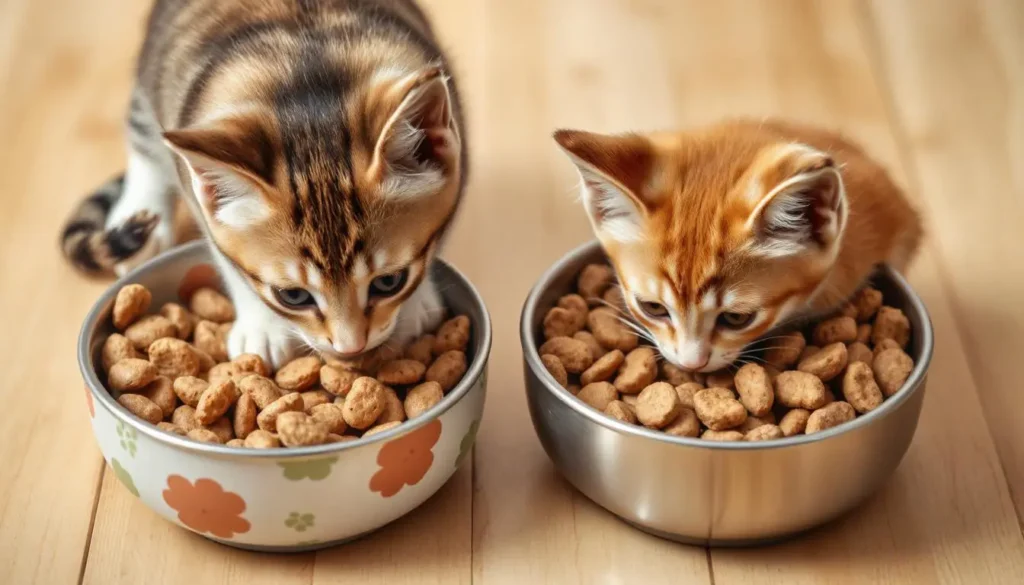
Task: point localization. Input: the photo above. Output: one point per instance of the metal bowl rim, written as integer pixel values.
(913, 384)
(88, 369)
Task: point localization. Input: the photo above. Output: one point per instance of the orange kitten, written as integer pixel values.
(722, 233)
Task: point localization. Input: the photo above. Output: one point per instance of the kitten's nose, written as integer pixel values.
(694, 356)
(349, 346)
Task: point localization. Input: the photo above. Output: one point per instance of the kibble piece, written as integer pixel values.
(211, 305)
(364, 403)
(184, 417)
(785, 350)
(296, 429)
(860, 389)
(829, 416)
(209, 338)
(401, 372)
(827, 363)
(638, 371)
(173, 357)
(721, 379)
(593, 280)
(260, 439)
(148, 329)
(764, 433)
(251, 363)
(835, 330)
(453, 335)
(613, 297)
(864, 333)
(235, 443)
(381, 428)
(447, 370)
(299, 374)
(657, 405)
(224, 371)
(222, 428)
(132, 302)
(244, 416)
(599, 395)
(858, 352)
(574, 389)
(808, 352)
(629, 399)
(794, 422)
(848, 310)
(554, 367)
(189, 389)
(727, 436)
(203, 435)
(131, 374)
(421, 350)
(117, 347)
(161, 392)
(315, 397)
(619, 410)
(267, 418)
(755, 389)
(576, 304)
(263, 390)
(718, 409)
(868, 301)
(686, 391)
(561, 322)
(215, 401)
(337, 380)
(183, 321)
(206, 362)
(685, 425)
(596, 351)
(172, 428)
(753, 422)
(603, 369)
(141, 407)
(891, 323)
(574, 354)
(675, 375)
(610, 332)
(394, 411)
(884, 345)
(892, 367)
(795, 389)
(331, 416)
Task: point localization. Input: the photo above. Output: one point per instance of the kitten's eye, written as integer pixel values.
(294, 298)
(735, 320)
(388, 285)
(653, 310)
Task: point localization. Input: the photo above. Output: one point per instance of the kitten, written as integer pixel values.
(321, 147)
(721, 234)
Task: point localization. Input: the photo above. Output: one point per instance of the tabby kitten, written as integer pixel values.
(319, 144)
(721, 234)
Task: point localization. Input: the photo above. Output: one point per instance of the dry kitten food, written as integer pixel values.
(171, 370)
(839, 368)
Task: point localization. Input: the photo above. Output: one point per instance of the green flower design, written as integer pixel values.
(127, 436)
(299, 522)
(467, 443)
(126, 479)
(314, 469)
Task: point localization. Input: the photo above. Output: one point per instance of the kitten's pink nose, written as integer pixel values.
(350, 347)
(694, 358)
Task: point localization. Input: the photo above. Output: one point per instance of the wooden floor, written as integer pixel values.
(935, 89)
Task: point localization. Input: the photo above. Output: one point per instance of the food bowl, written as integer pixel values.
(716, 493)
(284, 500)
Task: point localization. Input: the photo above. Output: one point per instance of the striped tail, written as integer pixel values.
(92, 248)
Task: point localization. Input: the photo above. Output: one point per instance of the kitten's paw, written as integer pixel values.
(138, 238)
(422, 312)
(266, 338)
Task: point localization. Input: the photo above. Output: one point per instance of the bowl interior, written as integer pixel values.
(560, 279)
(164, 276)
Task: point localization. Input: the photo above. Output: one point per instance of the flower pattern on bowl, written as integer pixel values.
(405, 460)
(127, 436)
(466, 445)
(314, 469)
(125, 478)
(299, 522)
(206, 507)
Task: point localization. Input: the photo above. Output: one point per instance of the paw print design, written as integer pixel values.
(127, 436)
(314, 469)
(125, 478)
(299, 522)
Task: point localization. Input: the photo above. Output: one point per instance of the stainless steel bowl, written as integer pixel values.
(708, 493)
(284, 500)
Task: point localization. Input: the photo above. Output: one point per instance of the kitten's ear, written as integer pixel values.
(615, 171)
(804, 207)
(231, 165)
(418, 147)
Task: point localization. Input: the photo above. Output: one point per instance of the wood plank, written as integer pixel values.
(956, 78)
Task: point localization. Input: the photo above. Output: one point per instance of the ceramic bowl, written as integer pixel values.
(283, 499)
(710, 493)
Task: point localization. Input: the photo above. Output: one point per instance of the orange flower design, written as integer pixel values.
(89, 402)
(197, 277)
(206, 507)
(405, 460)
